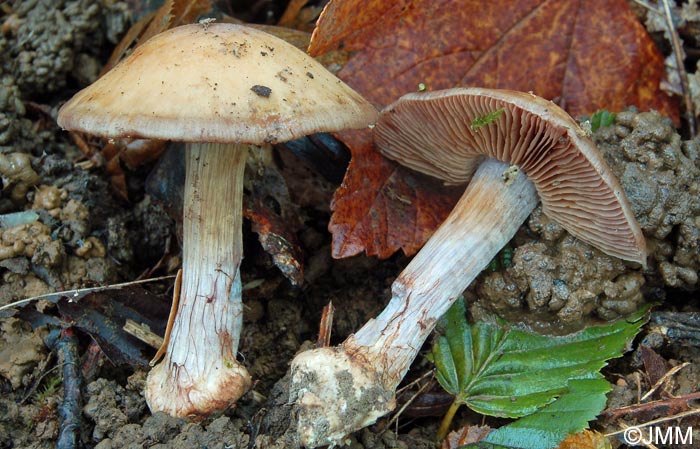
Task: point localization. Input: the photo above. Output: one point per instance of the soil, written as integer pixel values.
(70, 220)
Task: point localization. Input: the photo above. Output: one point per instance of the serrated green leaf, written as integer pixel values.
(459, 340)
(446, 371)
(546, 428)
(505, 372)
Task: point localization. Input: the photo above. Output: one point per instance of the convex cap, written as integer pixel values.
(446, 134)
(216, 82)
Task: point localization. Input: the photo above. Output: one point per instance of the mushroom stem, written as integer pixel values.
(200, 374)
(339, 390)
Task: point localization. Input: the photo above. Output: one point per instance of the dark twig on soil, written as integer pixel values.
(69, 410)
(663, 404)
(675, 418)
(678, 53)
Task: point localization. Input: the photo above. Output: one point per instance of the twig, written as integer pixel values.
(422, 388)
(69, 410)
(648, 6)
(37, 382)
(685, 86)
(694, 411)
(144, 334)
(664, 378)
(638, 408)
(76, 294)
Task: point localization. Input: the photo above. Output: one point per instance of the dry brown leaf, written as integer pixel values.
(171, 14)
(465, 435)
(586, 439)
(381, 206)
(585, 55)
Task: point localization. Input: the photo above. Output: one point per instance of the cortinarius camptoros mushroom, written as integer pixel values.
(512, 146)
(218, 87)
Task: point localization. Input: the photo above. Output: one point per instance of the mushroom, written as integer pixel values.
(512, 146)
(218, 87)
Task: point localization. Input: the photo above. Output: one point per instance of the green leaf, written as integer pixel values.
(603, 118)
(500, 371)
(546, 428)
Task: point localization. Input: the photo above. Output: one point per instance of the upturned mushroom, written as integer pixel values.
(515, 149)
(218, 87)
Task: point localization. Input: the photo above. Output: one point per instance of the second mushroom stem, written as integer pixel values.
(366, 369)
(199, 373)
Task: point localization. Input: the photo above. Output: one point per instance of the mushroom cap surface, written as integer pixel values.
(446, 134)
(216, 82)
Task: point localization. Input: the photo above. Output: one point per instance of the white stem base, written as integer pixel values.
(340, 390)
(199, 374)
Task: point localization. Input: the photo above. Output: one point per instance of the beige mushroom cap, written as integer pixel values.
(216, 83)
(447, 133)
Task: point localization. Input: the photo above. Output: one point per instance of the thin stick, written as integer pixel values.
(637, 408)
(648, 6)
(143, 333)
(694, 411)
(664, 378)
(411, 399)
(171, 319)
(685, 87)
(75, 295)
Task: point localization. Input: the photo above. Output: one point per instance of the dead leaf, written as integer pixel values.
(274, 217)
(465, 435)
(171, 14)
(586, 439)
(291, 13)
(381, 207)
(655, 366)
(585, 55)
(276, 239)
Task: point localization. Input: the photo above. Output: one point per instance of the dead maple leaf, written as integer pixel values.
(585, 55)
(381, 206)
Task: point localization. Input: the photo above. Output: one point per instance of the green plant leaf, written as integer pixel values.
(500, 371)
(547, 427)
(603, 118)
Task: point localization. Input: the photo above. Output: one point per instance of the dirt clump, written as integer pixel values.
(550, 271)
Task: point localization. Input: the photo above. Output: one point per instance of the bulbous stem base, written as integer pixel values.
(340, 390)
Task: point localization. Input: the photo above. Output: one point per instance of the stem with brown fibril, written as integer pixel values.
(200, 374)
(342, 389)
